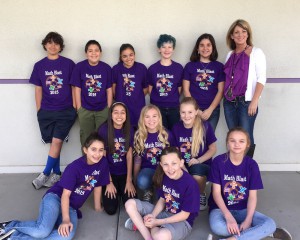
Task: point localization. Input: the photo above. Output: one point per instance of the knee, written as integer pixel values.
(41, 232)
(111, 210)
(130, 205)
(143, 182)
(269, 226)
(166, 235)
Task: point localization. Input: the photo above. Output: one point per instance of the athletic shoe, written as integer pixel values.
(211, 237)
(53, 178)
(3, 234)
(203, 202)
(40, 181)
(130, 225)
(147, 196)
(7, 235)
(282, 233)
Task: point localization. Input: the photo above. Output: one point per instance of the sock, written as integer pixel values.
(56, 167)
(49, 165)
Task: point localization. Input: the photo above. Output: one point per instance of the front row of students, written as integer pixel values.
(179, 170)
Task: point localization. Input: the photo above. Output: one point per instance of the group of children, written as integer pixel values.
(131, 147)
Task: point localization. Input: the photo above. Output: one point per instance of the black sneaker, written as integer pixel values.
(3, 234)
(147, 196)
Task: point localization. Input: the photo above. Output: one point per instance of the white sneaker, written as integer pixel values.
(203, 202)
(282, 233)
(40, 181)
(52, 180)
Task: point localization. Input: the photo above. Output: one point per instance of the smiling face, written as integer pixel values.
(94, 152)
(238, 143)
(151, 120)
(93, 54)
(52, 49)
(239, 36)
(166, 50)
(205, 50)
(118, 116)
(128, 57)
(172, 165)
(188, 114)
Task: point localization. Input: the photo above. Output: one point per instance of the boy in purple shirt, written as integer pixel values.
(174, 213)
(55, 109)
(130, 82)
(59, 209)
(93, 92)
(165, 80)
(235, 180)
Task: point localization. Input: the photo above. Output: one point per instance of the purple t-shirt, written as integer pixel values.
(165, 81)
(183, 140)
(130, 83)
(117, 161)
(153, 147)
(93, 81)
(54, 78)
(235, 181)
(81, 178)
(236, 69)
(181, 195)
(204, 79)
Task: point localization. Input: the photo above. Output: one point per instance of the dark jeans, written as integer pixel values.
(170, 116)
(111, 205)
(236, 115)
(214, 118)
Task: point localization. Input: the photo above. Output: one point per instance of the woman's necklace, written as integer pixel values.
(204, 68)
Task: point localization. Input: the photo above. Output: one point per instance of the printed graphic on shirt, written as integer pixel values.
(153, 155)
(164, 85)
(89, 184)
(119, 150)
(171, 204)
(234, 190)
(205, 78)
(186, 148)
(54, 82)
(128, 83)
(93, 85)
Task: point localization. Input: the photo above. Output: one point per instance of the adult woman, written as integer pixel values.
(245, 71)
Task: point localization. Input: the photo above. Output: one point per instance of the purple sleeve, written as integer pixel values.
(171, 139)
(109, 77)
(255, 178)
(144, 74)
(68, 179)
(34, 78)
(149, 76)
(186, 73)
(75, 79)
(131, 137)
(214, 174)
(104, 180)
(115, 74)
(191, 198)
(210, 135)
(181, 77)
(102, 132)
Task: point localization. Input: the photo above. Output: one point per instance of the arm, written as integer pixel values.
(129, 188)
(179, 90)
(109, 95)
(73, 97)
(150, 89)
(114, 90)
(145, 90)
(207, 112)
(137, 166)
(66, 226)
(251, 206)
(38, 97)
(232, 225)
(254, 102)
(111, 191)
(97, 199)
(212, 149)
(77, 92)
(186, 88)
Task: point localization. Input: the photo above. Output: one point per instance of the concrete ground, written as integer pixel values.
(279, 200)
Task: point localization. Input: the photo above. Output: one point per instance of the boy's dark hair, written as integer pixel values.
(92, 42)
(111, 130)
(54, 37)
(165, 38)
(123, 47)
(92, 138)
(159, 173)
(195, 56)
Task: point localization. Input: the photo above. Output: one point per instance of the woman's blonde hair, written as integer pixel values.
(198, 132)
(141, 134)
(243, 24)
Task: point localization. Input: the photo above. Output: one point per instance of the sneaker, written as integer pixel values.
(6, 236)
(130, 225)
(53, 178)
(211, 237)
(40, 181)
(3, 234)
(282, 234)
(147, 196)
(203, 202)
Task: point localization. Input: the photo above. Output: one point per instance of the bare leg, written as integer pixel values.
(55, 147)
(201, 180)
(161, 233)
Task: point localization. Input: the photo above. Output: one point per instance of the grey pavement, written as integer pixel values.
(279, 200)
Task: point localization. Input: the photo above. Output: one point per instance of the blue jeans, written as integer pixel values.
(214, 118)
(170, 116)
(46, 225)
(144, 178)
(236, 115)
(262, 226)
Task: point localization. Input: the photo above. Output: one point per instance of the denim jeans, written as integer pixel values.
(46, 225)
(262, 226)
(144, 178)
(170, 116)
(214, 118)
(236, 115)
